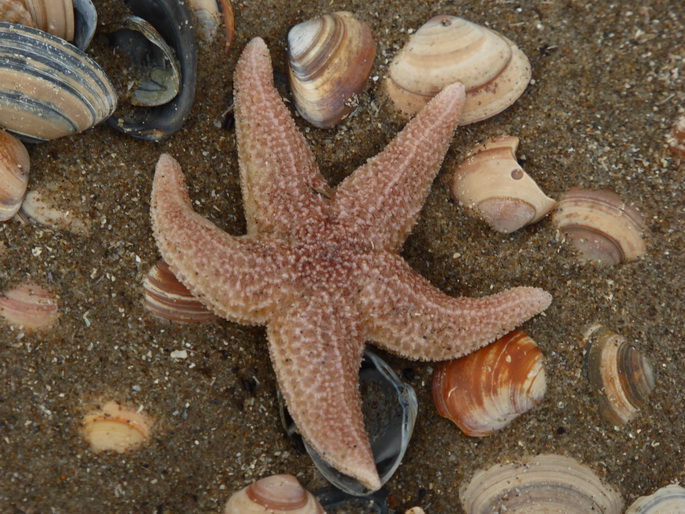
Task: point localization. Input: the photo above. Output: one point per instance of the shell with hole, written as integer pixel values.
(448, 49)
(277, 493)
(601, 226)
(330, 59)
(620, 374)
(491, 183)
(14, 174)
(545, 483)
(486, 390)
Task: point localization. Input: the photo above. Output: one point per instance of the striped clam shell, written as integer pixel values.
(49, 88)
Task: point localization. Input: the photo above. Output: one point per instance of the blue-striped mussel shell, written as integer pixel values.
(48, 87)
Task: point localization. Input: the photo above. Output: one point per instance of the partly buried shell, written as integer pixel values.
(620, 374)
(669, 499)
(601, 226)
(42, 205)
(330, 59)
(491, 183)
(545, 483)
(115, 427)
(448, 49)
(29, 306)
(14, 174)
(484, 391)
(49, 88)
(277, 493)
(14, 11)
(53, 16)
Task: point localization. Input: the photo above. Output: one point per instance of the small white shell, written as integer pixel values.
(40, 205)
(274, 494)
(491, 183)
(114, 427)
(29, 306)
(667, 500)
(14, 174)
(546, 483)
(208, 17)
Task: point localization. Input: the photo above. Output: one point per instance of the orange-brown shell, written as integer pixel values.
(29, 306)
(274, 494)
(14, 174)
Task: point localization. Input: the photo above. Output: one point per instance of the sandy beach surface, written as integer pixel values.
(607, 87)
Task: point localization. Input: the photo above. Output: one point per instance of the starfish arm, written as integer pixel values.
(281, 184)
(406, 315)
(316, 348)
(216, 267)
(383, 198)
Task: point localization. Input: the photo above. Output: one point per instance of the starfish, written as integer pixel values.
(320, 267)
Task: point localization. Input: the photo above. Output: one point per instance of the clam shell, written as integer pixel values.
(208, 17)
(277, 493)
(546, 483)
(491, 183)
(486, 390)
(669, 499)
(14, 174)
(13, 11)
(114, 427)
(448, 49)
(621, 375)
(167, 298)
(53, 16)
(330, 59)
(42, 206)
(601, 226)
(29, 306)
(49, 88)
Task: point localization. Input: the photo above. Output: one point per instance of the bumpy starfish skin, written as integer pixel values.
(320, 267)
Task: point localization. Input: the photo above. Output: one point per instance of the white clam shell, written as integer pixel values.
(330, 59)
(448, 49)
(542, 484)
(491, 183)
(274, 494)
(14, 174)
(208, 17)
(42, 206)
(667, 500)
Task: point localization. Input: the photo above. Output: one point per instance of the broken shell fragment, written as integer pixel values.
(167, 298)
(29, 306)
(676, 140)
(602, 227)
(49, 88)
(491, 183)
(545, 483)
(41, 206)
(669, 499)
(274, 494)
(486, 390)
(114, 427)
(14, 174)
(330, 59)
(448, 49)
(621, 375)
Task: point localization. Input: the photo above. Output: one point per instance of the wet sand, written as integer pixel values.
(608, 84)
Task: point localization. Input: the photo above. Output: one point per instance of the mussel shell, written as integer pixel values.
(172, 20)
(48, 87)
(85, 23)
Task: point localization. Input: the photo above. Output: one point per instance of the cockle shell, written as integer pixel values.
(621, 375)
(53, 16)
(601, 226)
(484, 391)
(42, 206)
(448, 49)
(114, 427)
(667, 500)
(275, 494)
(14, 174)
(49, 88)
(29, 306)
(491, 183)
(545, 483)
(14, 11)
(167, 298)
(330, 59)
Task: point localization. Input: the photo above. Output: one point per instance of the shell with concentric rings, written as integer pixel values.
(276, 493)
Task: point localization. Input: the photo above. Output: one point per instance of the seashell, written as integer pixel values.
(29, 306)
(85, 23)
(157, 73)
(167, 298)
(601, 226)
(40, 206)
(621, 375)
(390, 408)
(208, 17)
(667, 499)
(545, 483)
(491, 183)
(172, 20)
(330, 59)
(53, 16)
(49, 88)
(676, 139)
(14, 11)
(448, 49)
(14, 174)
(486, 390)
(277, 493)
(114, 427)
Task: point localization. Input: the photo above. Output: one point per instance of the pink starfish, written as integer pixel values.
(320, 267)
